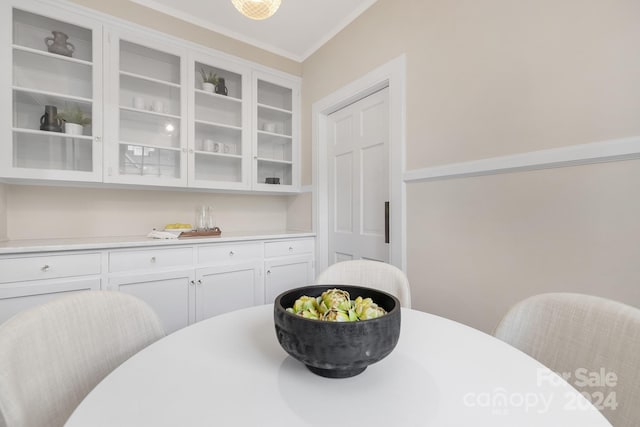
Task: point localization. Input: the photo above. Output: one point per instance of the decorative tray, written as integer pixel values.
(215, 231)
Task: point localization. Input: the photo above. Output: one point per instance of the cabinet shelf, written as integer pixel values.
(149, 79)
(145, 145)
(218, 125)
(151, 113)
(218, 96)
(272, 108)
(227, 155)
(275, 137)
(43, 97)
(51, 55)
(274, 161)
(51, 134)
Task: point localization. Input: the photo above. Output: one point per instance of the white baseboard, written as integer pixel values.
(596, 152)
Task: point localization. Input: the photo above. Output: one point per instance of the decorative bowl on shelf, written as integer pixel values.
(337, 349)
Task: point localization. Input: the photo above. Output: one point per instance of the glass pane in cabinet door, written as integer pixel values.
(217, 110)
(147, 129)
(274, 121)
(56, 151)
(149, 161)
(273, 147)
(36, 111)
(223, 82)
(216, 168)
(52, 74)
(36, 32)
(145, 95)
(150, 63)
(270, 170)
(275, 96)
(218, 139)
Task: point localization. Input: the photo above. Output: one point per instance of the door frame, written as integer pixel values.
(393, 75)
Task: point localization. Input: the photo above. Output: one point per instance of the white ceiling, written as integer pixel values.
(298, 28)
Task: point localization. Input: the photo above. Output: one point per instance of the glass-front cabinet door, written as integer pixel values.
(220, 144)
(145, 136)
(276, 163)
(52, 104)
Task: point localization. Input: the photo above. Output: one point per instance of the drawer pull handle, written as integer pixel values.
(153, 259)
(231, 253)
(46, 268)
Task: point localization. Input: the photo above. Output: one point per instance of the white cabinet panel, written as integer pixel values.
(150, 259)
(48, 266)
(217, 254)
(227, 288)
(25, 295)
(288, 247)
(286, 273)
(170, 294)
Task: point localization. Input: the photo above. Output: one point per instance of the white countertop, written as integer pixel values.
(89, 243)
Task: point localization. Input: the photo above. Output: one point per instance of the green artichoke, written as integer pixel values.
(335, 305)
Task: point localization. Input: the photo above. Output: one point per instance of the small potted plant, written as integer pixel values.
(209, 80)
(74, 121)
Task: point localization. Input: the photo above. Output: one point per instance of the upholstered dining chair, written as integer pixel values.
(52, 356)
(593, 341)
(373, 274)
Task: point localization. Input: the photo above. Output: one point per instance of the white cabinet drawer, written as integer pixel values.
(221, 253)
(288, 247)
(48, 267)
(150, 259)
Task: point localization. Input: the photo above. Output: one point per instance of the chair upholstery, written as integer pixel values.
(374, 274)
(582, 335)
(53, 355)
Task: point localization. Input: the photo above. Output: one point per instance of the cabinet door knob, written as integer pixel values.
(192, 282)
(290, 249)
(153, 259)
(268, 271)
(231, 253)
(45, 267)
(199, 282)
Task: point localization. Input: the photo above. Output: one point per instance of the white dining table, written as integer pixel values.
(230, 370)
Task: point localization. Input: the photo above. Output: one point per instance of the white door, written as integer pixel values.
(358, 163)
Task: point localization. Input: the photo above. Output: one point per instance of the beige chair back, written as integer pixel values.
(593, 341)
(53, 355)
(373, 274)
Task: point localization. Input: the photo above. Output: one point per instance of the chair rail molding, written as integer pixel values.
(573, 155)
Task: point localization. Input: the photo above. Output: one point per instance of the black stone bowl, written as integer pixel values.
(337, 349)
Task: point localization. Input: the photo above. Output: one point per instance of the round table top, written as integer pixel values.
(230, 370)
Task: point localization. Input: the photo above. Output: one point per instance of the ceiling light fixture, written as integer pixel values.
(257, 9)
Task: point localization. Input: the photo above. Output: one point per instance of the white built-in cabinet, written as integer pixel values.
(30, 280)
(288, 264)
(152, 120)
(147, 107)
(183, 283)
(33, 78)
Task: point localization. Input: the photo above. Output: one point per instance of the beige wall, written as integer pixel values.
(55, 212)
(493, 78)
(42, 212)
